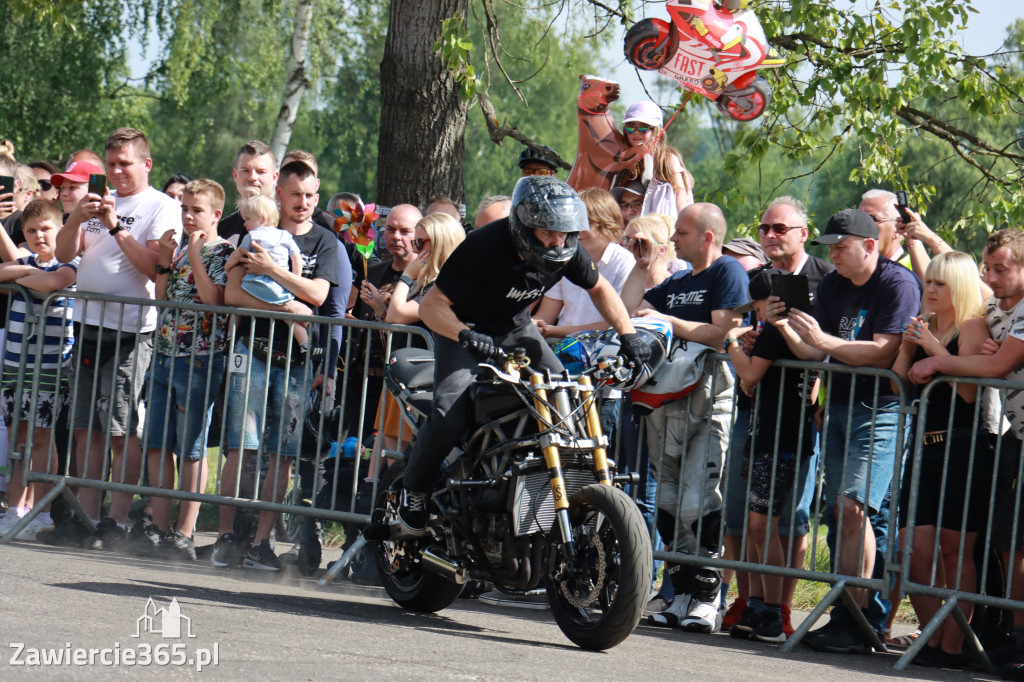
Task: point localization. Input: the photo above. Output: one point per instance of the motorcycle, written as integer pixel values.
(529, 496)
(708, 51)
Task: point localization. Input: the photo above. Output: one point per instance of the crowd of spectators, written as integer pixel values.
(737, 457)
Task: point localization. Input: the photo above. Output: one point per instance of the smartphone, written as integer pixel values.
(901, 205)
(794, 290)
(98, 184)
(6, 184)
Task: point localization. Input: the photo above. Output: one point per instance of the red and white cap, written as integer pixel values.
(77, 171)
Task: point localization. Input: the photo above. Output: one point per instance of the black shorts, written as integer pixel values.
(771, 483)
(1008, 507)
(944, 507)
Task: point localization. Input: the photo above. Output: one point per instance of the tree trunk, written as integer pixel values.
(296, 83)
(423, 119)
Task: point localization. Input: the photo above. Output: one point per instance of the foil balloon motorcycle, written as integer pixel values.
(711, 50)
(530, 497)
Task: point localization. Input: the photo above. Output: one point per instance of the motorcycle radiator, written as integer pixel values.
(533, 510)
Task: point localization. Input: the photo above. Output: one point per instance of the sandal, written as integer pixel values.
(903, 640)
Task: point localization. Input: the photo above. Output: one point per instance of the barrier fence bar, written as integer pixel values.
(713, 420)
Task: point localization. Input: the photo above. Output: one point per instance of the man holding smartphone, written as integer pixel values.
(117, 236)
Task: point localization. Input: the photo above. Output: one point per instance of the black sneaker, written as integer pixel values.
(144, 539)
(747, 623)
(176, 546)
(109, 536)
(828, 628)
(937, 657)
(412, 513)
(261, 558)
(225, 552)
(69, 533)
(843, 638)
(769, 630)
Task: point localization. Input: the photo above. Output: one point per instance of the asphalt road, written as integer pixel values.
(286, 628)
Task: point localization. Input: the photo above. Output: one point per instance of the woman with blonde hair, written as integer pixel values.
(949, 324)
(437, 235)
(647, 237)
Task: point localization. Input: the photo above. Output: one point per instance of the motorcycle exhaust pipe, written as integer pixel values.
(435, 561)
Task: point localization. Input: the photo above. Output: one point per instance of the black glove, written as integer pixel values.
(479, 344)
(633, 349)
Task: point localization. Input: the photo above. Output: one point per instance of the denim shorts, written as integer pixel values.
(282, 404)
(859, 456)
(181, 402)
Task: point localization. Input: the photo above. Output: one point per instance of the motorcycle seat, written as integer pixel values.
(412, 367)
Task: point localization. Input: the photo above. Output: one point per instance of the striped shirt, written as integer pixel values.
(57, 332)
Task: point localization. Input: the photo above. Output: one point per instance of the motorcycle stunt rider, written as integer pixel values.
(481, 302)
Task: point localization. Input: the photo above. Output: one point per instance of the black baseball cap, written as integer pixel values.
(846, 223)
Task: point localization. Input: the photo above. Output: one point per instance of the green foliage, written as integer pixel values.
(68, 79)
(544, 66)
(454, 47)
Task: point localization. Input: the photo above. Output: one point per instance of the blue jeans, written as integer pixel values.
(859, 460)
(277, 393)
(181, 403)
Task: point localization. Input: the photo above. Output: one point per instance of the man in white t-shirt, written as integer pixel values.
(117, 237)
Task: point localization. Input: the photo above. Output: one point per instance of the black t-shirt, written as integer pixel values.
(319, 254)
(796, 388)
(234, 226)
(491, 287)
(882, 305)
(815, 270)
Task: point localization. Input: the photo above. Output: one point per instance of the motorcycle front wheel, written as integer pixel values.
(401, 570)
(598, 595)
(650, 44)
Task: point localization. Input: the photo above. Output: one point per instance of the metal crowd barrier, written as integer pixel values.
(93, 463)
(711, 505)
(96, 470)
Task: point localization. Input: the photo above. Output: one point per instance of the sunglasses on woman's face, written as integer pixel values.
(418, 244)
(45, 185)
(637, 129)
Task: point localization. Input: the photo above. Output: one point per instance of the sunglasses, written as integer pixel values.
(538, 171)
(45, 185)
(637, 129)
(418, 244)
(778, 228)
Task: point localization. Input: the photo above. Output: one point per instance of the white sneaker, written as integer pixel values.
(34, 526)
(672, 616)
(703, 617)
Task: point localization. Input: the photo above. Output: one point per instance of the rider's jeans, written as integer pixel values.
(451, 416)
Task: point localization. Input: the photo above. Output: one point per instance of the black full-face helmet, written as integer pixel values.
(547, 203)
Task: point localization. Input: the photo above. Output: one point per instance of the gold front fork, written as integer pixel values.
(554, 463)
(594, 432)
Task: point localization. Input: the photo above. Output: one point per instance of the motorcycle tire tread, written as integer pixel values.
(635, 571)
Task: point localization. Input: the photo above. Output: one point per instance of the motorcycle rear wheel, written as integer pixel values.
(650, 44)
(398, 563)
(749, 106)
(602, 595)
